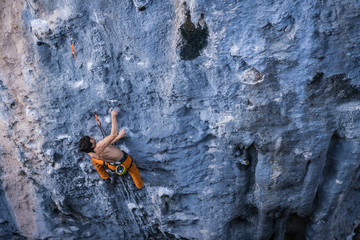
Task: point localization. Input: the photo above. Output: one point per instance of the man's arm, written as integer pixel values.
(114, 126)
(122, 133)
(102, 144)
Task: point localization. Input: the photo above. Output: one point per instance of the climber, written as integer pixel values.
(104, 153)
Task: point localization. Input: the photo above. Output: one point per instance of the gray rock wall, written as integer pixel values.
(243, 118)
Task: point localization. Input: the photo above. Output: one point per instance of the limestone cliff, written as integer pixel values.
(243, 118)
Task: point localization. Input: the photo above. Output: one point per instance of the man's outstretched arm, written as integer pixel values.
(114, 129)
(114, 126)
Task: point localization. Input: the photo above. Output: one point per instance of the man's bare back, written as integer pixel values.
(110, 154)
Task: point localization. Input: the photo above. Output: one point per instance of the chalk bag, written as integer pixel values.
(120, 170)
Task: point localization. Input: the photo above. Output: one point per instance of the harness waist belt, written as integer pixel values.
(121, 160)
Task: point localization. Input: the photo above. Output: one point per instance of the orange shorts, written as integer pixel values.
(133, 170)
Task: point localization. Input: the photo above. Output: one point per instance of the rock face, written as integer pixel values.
(243, 118)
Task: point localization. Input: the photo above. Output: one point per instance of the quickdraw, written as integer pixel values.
(98, 123)
(73, 50)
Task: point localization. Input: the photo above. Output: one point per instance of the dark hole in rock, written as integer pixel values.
(193, 38)
(295, 228)
(357, 233)
(57, 156)
(142, 8)
(40, 43)
(317, 78)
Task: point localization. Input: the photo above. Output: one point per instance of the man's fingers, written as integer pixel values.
(114, 112)
(122, 132)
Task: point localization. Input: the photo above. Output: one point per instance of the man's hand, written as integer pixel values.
(122, 133)
(114, 112)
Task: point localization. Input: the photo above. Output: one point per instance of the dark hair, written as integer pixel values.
(85, 144)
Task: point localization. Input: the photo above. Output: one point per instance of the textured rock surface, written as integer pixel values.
(243, 118)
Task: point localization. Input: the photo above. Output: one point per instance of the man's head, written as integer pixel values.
(87, 144)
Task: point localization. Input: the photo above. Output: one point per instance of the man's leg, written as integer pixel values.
(98, 164)
(134, 172)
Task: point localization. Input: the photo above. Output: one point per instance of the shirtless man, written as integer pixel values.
(104, 153)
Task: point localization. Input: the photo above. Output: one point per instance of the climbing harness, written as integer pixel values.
(73, 50)
(98, 123)
(120, 168)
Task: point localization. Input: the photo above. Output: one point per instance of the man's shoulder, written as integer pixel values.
(94, 155)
